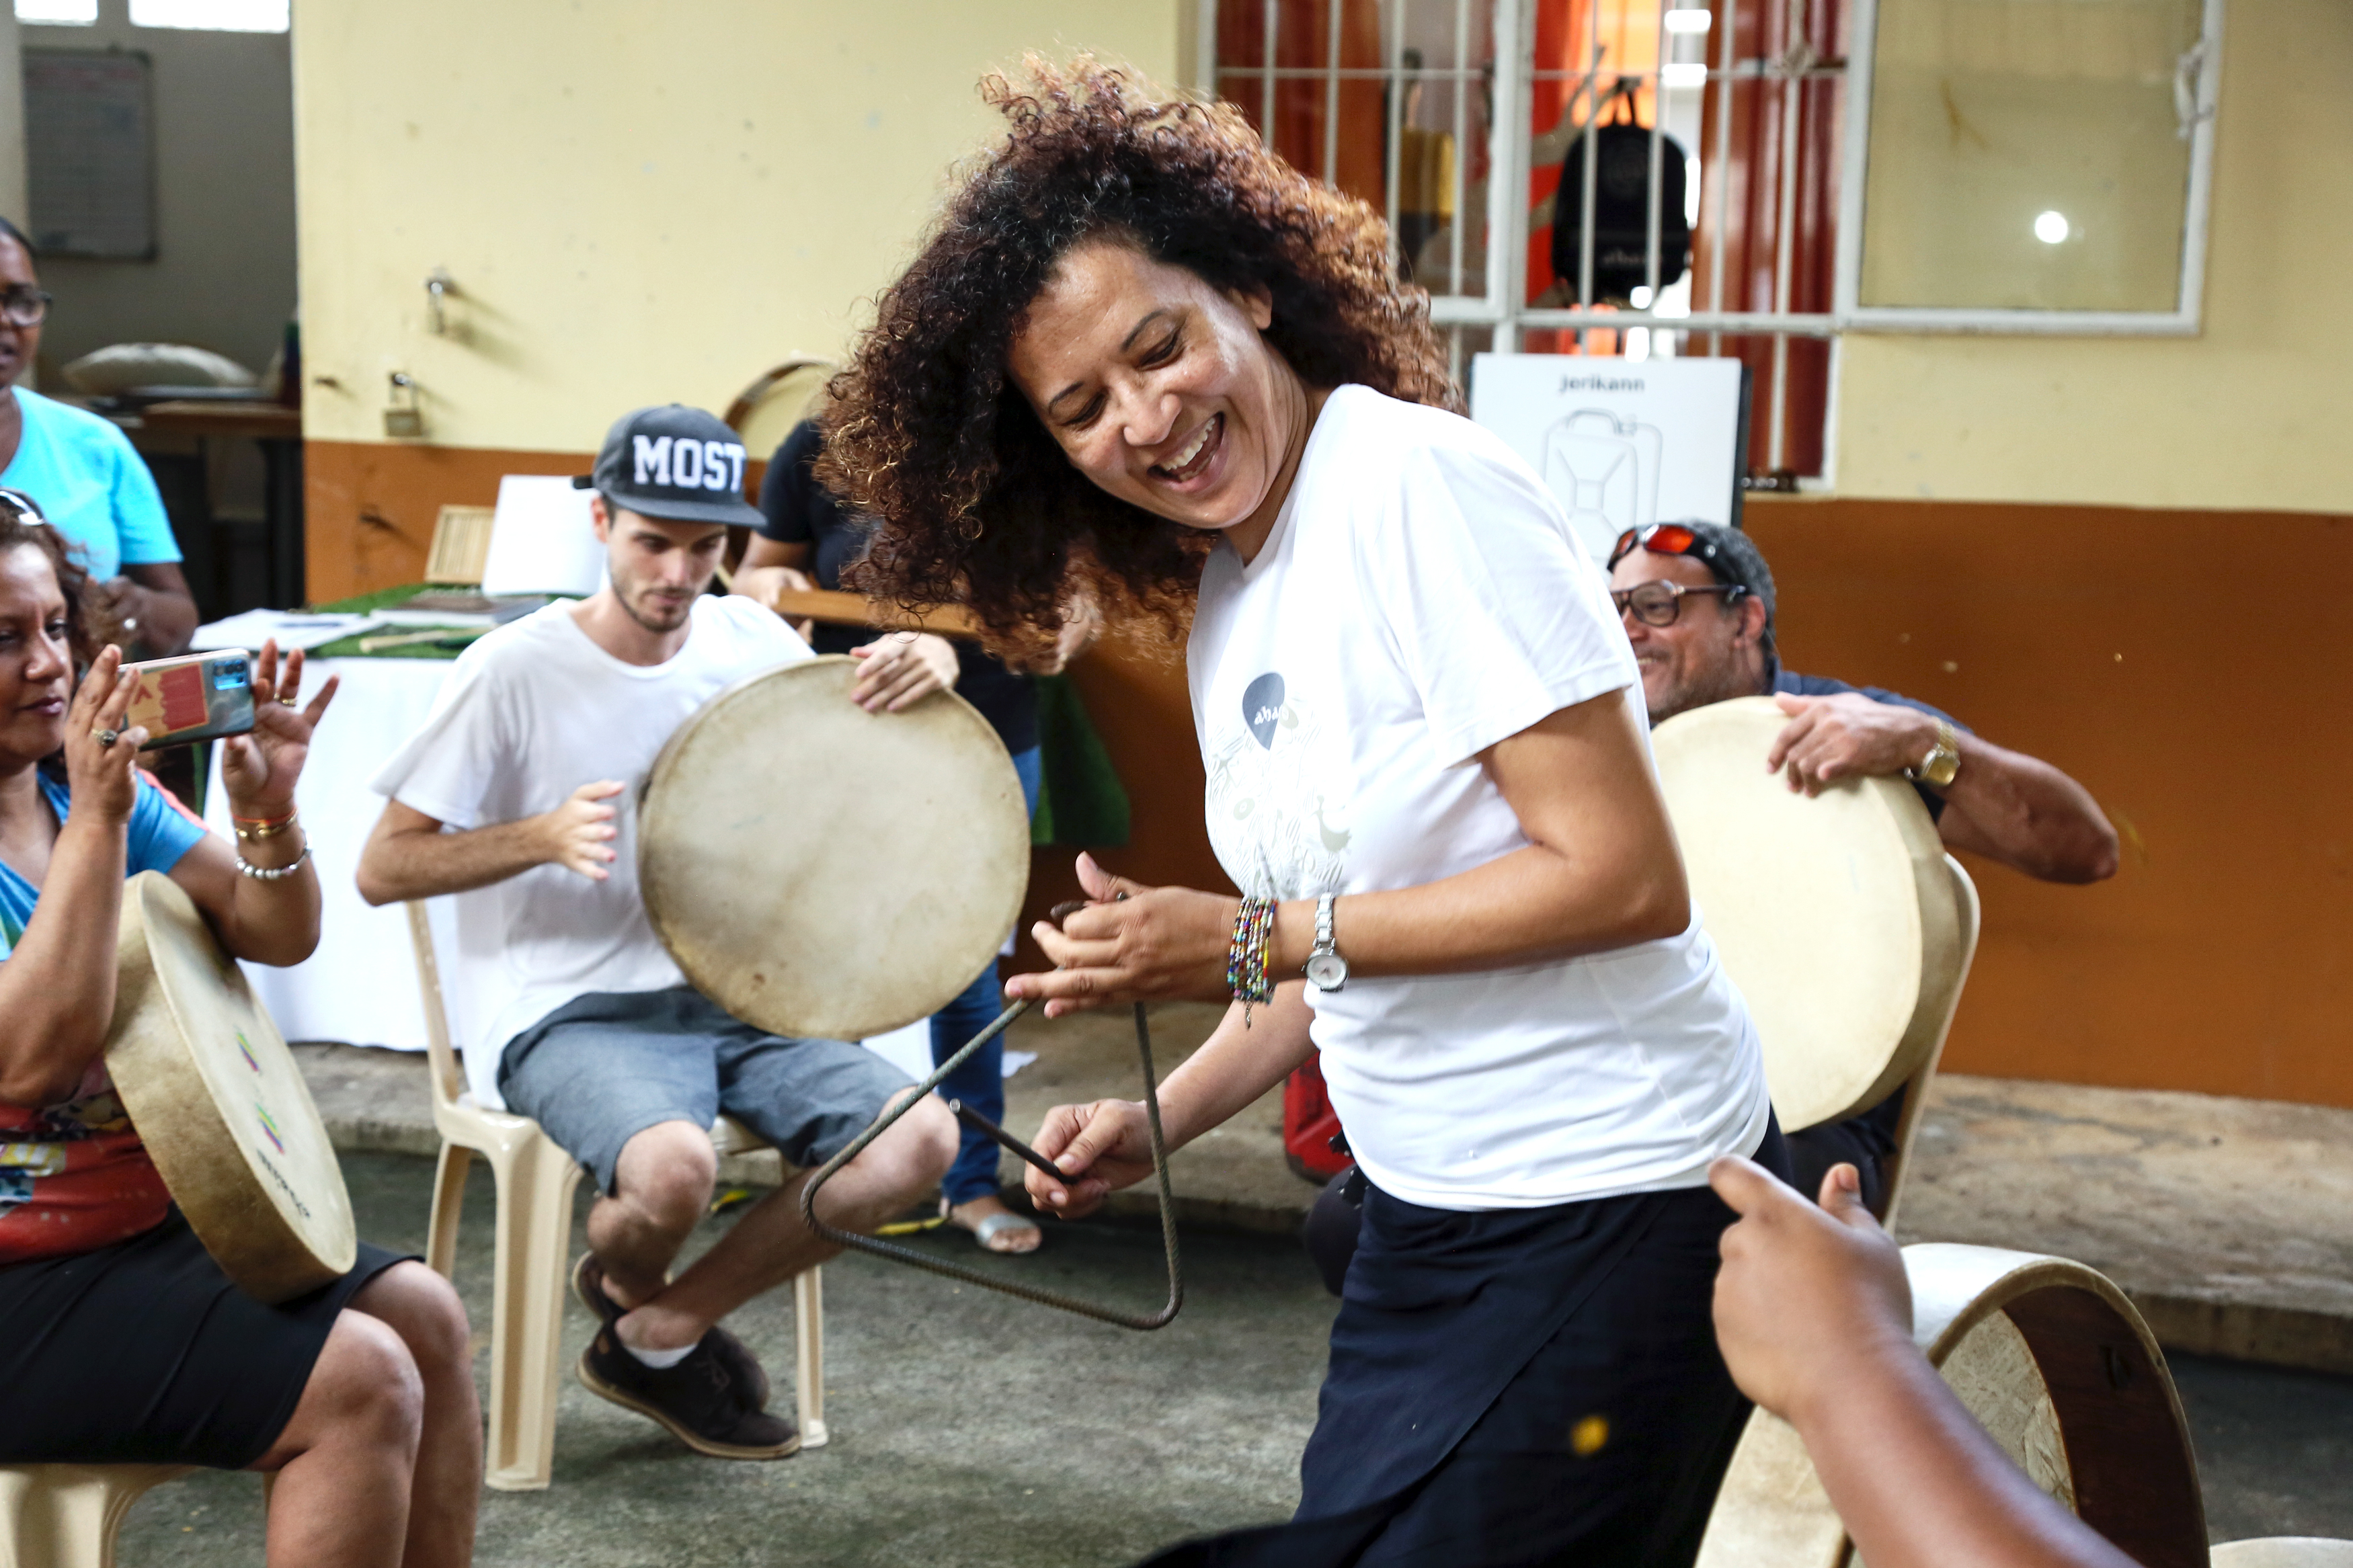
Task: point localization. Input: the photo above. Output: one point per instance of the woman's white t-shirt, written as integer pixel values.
(1419, 599)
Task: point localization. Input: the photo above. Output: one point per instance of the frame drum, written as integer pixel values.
(219, 1103)
(1835, 916)
(818, 871)
(2057, 1366)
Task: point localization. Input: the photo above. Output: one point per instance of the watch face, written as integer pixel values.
(1327, 972)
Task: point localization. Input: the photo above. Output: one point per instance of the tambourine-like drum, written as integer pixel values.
(2055, 1363)
(219, 1103)
(821, 871)
(1839, 916)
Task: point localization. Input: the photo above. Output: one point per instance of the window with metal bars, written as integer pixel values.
(1647, 178)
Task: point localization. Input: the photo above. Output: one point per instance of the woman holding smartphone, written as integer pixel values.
(120, 1340)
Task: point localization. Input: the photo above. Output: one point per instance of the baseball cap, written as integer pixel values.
(674, 463)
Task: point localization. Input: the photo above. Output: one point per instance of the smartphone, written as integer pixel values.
(196, 697)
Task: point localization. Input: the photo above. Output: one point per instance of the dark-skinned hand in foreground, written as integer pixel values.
(1813, 1314)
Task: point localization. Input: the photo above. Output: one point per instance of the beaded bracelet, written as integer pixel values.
(1246, 954)
(272, 873)
(253, 829)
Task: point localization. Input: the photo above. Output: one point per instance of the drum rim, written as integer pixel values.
(1942, 966)
(662, 913)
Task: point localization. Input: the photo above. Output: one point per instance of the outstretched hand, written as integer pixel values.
(259, 770)
(1805, 1293)
(1131, 943)
(578, 834)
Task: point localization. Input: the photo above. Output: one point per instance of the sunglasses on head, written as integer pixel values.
(29, 509)
(1661, 539)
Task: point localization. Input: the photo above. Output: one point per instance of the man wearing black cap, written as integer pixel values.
(1698, 604)
(518, 796)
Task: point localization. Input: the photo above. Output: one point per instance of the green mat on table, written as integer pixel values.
(385, 598)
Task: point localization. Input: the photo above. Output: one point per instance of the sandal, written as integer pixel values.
(997, 1225)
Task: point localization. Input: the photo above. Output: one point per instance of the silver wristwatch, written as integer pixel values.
(1326, 970)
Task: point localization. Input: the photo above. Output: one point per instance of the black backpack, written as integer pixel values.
(1621, 209)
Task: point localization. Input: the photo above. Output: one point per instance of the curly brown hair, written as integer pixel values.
(927, 434)
(22, 526)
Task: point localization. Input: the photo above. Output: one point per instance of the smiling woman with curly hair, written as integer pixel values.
(1141, 358)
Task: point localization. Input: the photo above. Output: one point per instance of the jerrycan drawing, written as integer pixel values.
(1605, 470)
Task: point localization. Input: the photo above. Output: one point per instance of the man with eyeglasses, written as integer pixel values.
(90, 482)
(1697, 602)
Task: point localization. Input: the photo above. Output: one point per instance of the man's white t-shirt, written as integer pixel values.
(532, 713)
(1419, 599)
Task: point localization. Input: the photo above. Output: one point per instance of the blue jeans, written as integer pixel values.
(980, 1082)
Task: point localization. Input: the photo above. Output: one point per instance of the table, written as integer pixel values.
(360, 986)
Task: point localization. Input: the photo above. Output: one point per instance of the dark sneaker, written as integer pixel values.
(697, 1399)
(751, 1377)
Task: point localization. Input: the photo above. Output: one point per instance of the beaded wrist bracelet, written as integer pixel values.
(272, 873)
(1246, 954)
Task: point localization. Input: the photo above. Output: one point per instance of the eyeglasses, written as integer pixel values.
(1660, 539)
(1658, 603)
(24, 306)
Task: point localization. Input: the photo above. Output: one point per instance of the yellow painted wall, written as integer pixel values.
(2249, 415)
(638, 200)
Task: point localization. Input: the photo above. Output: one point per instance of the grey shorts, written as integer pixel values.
(605, 1066)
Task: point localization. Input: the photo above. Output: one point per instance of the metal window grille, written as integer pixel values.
(1478, 125)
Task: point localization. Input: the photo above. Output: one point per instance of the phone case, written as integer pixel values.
(196, 697)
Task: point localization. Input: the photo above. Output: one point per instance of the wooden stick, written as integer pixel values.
(856, 610)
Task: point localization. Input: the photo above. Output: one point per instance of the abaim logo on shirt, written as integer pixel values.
(1262, 708)
(689, 465)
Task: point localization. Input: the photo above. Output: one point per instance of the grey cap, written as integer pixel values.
(675, 464)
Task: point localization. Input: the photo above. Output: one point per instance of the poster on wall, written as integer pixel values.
(89, 153)
(1622, 443)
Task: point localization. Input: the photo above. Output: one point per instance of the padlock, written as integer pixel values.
(403, 419)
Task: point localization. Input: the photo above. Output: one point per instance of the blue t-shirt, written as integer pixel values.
(91, 484)
(161, 832)
(1791, 685)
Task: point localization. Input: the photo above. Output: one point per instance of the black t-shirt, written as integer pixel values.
(1823, 685)
(797, 509)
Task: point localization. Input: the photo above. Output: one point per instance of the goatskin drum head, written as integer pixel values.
(819, 870)
(1836, 915)
(221, 1104)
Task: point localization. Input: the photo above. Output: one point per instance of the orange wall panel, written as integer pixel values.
(2188, 667)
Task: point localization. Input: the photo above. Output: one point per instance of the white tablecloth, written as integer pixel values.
(360, 986)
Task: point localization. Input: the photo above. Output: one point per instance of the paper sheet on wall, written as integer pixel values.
(542, 541)
(1622, 443)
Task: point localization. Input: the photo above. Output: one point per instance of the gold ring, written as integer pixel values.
(287, 700)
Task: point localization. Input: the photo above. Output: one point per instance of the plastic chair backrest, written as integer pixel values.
(1915, 1087)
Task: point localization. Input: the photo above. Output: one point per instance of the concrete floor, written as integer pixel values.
(2229, 1222)
(972, 1429)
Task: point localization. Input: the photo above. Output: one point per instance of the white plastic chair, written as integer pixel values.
(65, 1516)
(531, 1276)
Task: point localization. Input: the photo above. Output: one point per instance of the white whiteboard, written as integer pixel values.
(89, 153)
(1622, 443)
